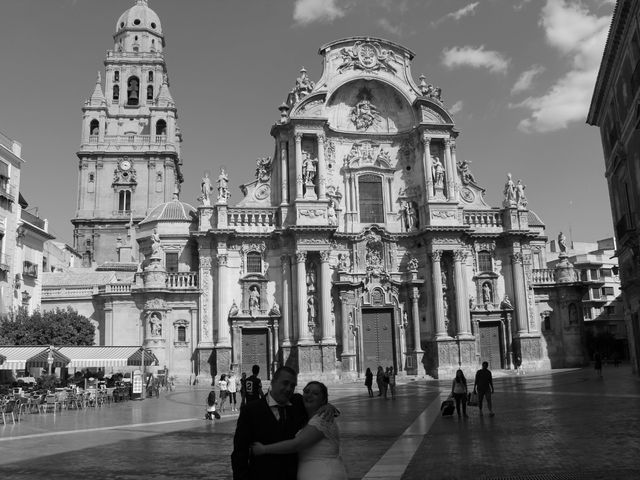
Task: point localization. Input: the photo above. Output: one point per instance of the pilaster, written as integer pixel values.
(436, 281)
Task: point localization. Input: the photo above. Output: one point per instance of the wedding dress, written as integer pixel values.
(322, 460)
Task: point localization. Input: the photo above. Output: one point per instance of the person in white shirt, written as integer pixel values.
(232, 388)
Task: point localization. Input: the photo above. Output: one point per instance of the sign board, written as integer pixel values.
(137, 382)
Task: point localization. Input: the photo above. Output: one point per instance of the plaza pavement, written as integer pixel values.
(553, 425)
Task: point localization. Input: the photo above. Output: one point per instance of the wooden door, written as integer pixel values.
(490, 346)
(377, 339)
(255, 351)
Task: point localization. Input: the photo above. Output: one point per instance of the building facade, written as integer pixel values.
(364, 241)
(614, 110)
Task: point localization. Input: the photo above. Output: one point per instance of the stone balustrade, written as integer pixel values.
(543, 275)
(251, 219)
(71, 291)
(483, 218)
(157, 142)
(182, 280)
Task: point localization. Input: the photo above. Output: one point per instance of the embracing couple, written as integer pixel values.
(288, 436)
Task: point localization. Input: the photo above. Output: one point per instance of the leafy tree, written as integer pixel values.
(56, 327)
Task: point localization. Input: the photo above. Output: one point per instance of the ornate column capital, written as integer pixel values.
(298, 137)
(223, 258)
(447, 142)
(426, 139)
(436, 255)
(459, 255)
(321, 138)
(325, 255)
(452, 144)
(516, 258)
(205, 262)
(415, 294)
(301, 257)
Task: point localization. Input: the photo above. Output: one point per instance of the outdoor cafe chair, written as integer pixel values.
(50, 402)
(6, 409)
(73, 400)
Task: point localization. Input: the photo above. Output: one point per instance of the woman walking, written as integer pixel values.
(391, 375)
(459, 393)
(368, 381)
(222, 385)
(380, 380)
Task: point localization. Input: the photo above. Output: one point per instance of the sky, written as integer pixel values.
(517, 75)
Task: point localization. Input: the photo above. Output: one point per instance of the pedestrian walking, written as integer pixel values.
(598, 364)
(222, 385)
(380, 380)
(232, 388)
(385, 383)
(391, 375)
(483, 386)
(253, 386)
(368, 381)
(243, 389)
(519, 367)
(459, 392)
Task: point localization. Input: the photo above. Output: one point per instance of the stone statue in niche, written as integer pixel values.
(155, 324)
(487, 294)
(311, 312)
(506, 303)
(331, 213)
(206, 188)
(411, 216)
(343, 262)
(156, 247)
(521, 198)
(223, 186)
(437, 172)
(309, 167)
(413, 264)
(562, 242)
(372, 257)
(509, 193)
(472, 302)
(254, 299)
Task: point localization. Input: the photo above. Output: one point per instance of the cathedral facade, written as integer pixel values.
(364, 241)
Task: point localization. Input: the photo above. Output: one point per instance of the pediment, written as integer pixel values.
(311, 107)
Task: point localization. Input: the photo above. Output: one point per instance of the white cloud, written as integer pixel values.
(456, 107)
(389, 27)
(526, 79)
(458, 14)
(476, 57)
(309, 11)
(580, 36)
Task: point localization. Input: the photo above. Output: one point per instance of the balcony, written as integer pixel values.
(135, 142)
(29, 269)
(543, 276)
(5, 263)
(251, 219)
(7, 191)
(33, 220)
(182, 280)
(483, 218)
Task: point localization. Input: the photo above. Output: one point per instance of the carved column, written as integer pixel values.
(450, 170)
(224, 336)
(436, 280)
(286, 313)
(284, 173)
(322, 180)
(415, 314)
(205, 337)
(462, 304)
(454, 163)
(328, 333)
(299, 180)
(304, 337)
(426, 164)
(348, 355)
(519, 291)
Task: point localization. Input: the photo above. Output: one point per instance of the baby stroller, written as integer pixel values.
(211, 407)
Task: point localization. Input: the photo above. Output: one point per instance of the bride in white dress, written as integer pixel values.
(317, 444)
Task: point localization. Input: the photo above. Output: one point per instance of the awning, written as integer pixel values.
(4, 170)
(19, 358)
(2, 359)
(103, 356)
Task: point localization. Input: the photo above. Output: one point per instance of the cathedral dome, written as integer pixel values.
(140, 16)
(173, 211)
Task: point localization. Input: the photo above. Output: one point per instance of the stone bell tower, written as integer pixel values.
(129, 158)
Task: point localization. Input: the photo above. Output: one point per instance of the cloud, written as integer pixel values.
(456, 107)
(476, 57)
(309, 11)
(458, 14)
(580, 36)
(526, 79)
(389, 27)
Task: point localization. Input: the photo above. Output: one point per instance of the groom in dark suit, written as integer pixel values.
(277, 416)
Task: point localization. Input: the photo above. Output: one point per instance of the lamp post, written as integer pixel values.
(144, 386)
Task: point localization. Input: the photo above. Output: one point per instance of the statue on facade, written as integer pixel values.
(487, 294)
(509, 192)
(275, 310)
(223, 186)
(437, 172)
(308, 168)
(411, 216)
(521, 198)
(206, 188)
(506, 303)
(343, 262)
(254, 299)
(304, 85)
(263, 169)
(331, 213)
(372, 257)
(562, 242)
(465, 172)
(472, 302)
(413, 264)
(233, 311)
(156, 247)
(311, 311)
(155, 324)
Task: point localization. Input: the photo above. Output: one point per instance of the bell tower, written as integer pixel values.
(129, 158)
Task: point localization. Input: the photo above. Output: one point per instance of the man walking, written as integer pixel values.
(253, 386)
(274, 417)
(483, 386)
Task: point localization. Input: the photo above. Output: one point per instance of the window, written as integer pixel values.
(161, 127)
(94, 127)
(485, 261)
(124, 200)
(254, 262)
(150, 77)
(594, 273)
(595, 293)
(116, 93)
(610, 309)
(182, 333)
(171, 260)
(371, 206)
(607, 291)
(116, 76)
(29, 269)
(587, 312)
(547, 322)
(149, 92)
(133, 91)
(606, 273)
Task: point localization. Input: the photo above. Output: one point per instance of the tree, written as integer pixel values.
(56, 327)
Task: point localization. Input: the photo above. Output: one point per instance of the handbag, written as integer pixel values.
(472, 399)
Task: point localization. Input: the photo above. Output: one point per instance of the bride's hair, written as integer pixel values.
(323, 389)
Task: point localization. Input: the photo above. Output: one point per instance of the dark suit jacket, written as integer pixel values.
(258, 424)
